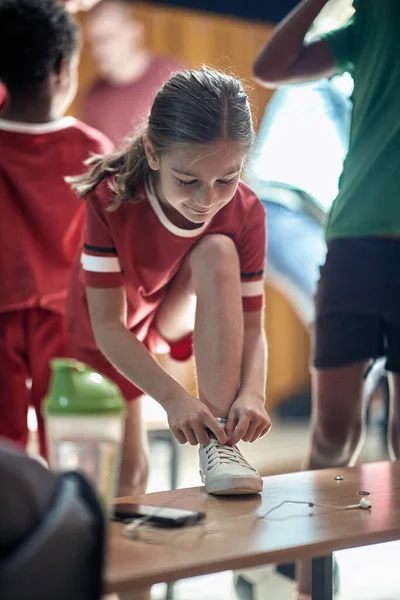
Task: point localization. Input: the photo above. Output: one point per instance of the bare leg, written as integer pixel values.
(134, 458)
(211, 276)
(134, 470)
(394, 417)
(337, 428)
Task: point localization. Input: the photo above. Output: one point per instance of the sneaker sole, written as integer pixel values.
(239, 487)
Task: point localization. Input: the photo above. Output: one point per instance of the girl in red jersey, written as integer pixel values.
(41, 223)
(175, 244)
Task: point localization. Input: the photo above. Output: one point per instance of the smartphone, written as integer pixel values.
(158, 516)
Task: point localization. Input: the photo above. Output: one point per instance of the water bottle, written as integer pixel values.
(85, 423)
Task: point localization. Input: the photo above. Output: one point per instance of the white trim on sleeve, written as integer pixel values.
(100, 264)
(252, 288)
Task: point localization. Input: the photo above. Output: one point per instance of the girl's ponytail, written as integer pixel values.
(126, 168)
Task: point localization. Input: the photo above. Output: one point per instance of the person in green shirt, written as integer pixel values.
(358, 299)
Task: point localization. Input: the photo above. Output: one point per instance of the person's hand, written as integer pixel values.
(189, 420)
(247, 419)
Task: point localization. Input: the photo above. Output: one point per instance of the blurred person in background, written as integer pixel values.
(130, 74)
(358, 299)
(42, 219)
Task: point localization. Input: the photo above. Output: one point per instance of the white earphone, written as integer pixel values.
(364, 503)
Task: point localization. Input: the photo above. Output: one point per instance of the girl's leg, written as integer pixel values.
(211, 274)
(209, 279)
(337, 428)
(134, 468)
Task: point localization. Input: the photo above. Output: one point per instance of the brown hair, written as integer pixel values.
(192, 107)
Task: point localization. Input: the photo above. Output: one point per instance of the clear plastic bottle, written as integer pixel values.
(85, 421)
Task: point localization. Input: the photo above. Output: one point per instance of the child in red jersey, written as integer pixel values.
(41, 221)
(169, 225)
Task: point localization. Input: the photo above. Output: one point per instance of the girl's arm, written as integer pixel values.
(286, 59)
(186, 414)
(248, 419)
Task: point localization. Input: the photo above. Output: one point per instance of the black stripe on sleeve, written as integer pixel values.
(251, 275)
(100, 249)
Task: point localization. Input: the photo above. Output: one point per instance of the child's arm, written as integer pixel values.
(186, 414)
(247, 418)
(286, 59)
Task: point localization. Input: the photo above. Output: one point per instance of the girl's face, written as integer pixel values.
(194, 182)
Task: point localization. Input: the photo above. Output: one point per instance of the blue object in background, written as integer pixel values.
(295, 171)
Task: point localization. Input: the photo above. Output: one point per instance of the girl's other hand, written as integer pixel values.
(247, 420)
(189, 419)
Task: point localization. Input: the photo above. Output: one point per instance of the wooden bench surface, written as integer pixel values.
(226, 540)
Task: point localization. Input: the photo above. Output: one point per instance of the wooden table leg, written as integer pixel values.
(322, 583)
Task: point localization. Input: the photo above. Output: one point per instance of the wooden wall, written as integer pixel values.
(228, 43)
(197, 38)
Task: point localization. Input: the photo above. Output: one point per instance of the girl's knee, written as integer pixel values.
(215, 251)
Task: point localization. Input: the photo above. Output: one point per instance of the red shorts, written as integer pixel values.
(29, 339)
(181, 350)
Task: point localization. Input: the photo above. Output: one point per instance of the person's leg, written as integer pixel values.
(210, 276)
(337, 431)
(338, 416)
(338, 421)
(393, 367)
(47, 339)
(13, 378)
(134, 466)
(394, 417)
(134, 469)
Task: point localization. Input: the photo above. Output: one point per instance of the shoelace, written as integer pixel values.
(221, 453)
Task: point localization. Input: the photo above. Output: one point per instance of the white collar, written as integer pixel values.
(35, 128)
(162, 217)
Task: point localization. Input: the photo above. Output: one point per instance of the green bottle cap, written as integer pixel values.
(77, 390)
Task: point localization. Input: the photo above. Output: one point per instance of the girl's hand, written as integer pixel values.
(247, 420)
(189, 419)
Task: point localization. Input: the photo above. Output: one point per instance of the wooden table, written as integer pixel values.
(229, 542)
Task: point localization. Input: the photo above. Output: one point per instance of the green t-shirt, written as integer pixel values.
(368, 46)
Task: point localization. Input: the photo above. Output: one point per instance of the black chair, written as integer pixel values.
(52, 538)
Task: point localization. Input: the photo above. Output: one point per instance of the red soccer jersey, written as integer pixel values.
(139, 248)
(42, 220)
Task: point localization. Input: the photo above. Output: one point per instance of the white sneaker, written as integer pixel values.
(225, 471)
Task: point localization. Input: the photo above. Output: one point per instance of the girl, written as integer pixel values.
(169, 224)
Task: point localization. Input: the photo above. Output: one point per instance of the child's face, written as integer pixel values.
(197, 181)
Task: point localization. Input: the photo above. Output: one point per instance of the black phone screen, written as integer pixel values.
(157, 515)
